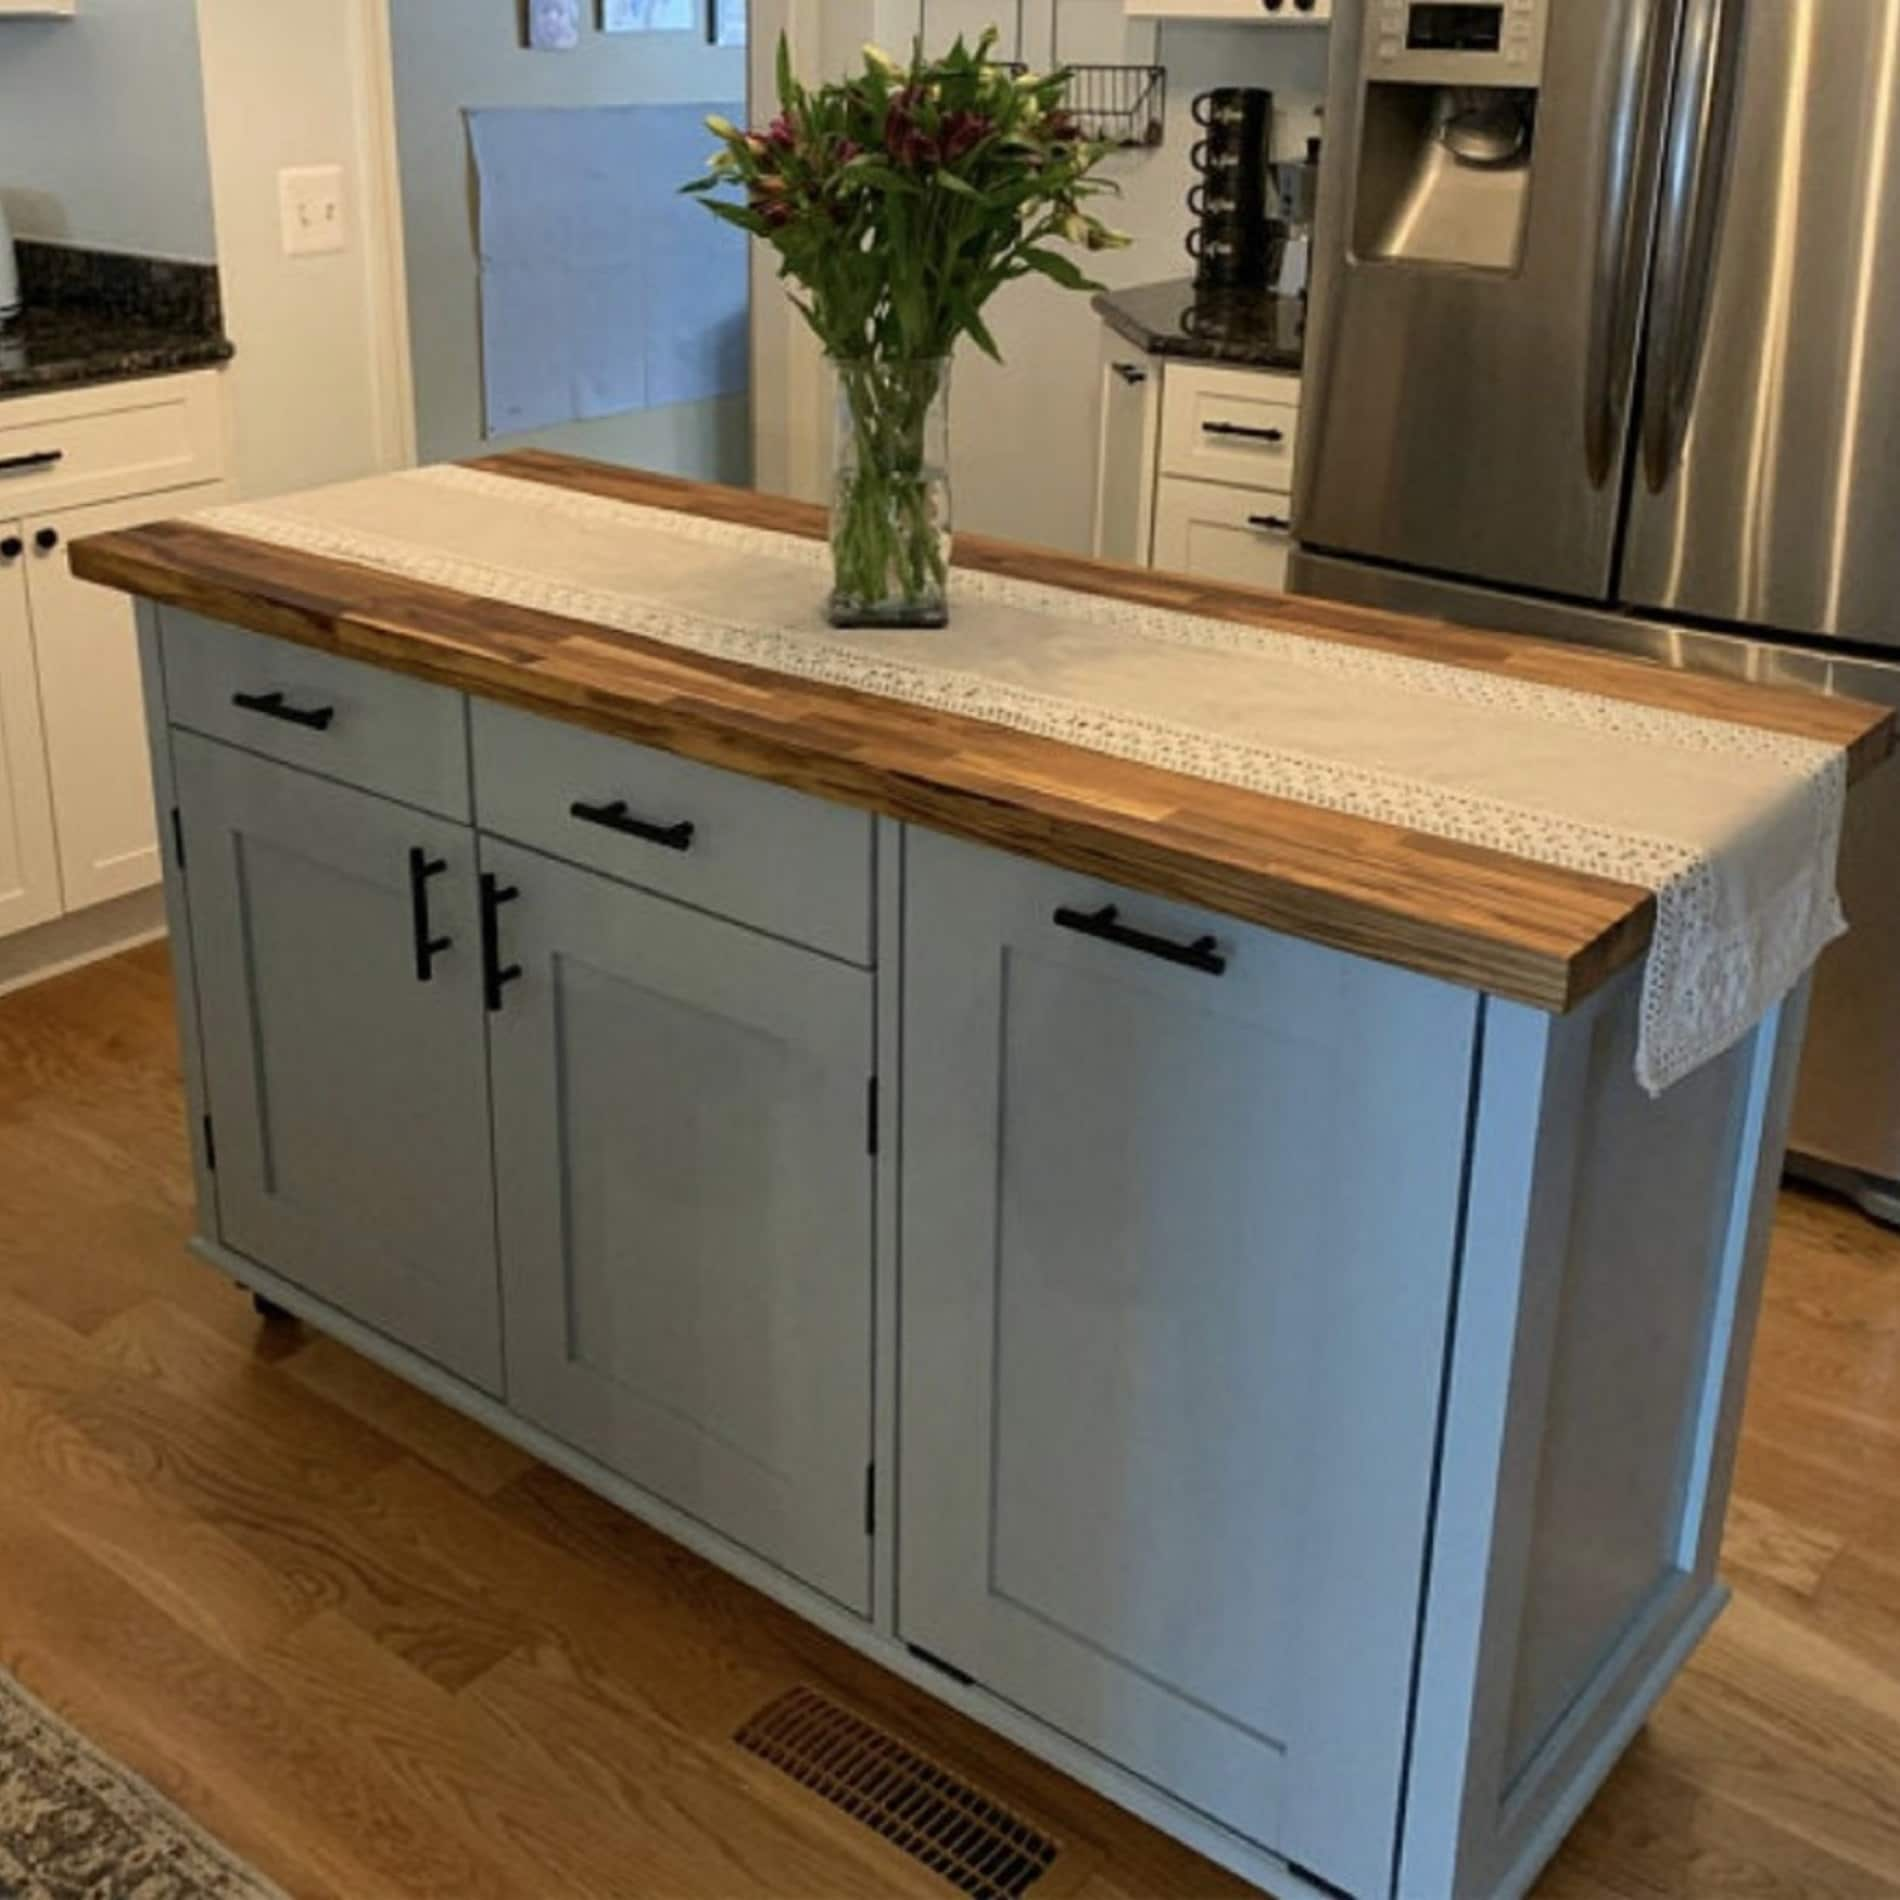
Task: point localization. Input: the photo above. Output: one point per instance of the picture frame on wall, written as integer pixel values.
(726, 22)
(554, 26)
(648, 16)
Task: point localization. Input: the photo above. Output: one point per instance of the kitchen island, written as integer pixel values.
(1187, 1275)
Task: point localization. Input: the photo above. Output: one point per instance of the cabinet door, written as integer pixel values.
(1222, 534)
(86, 638)
(1177, 1255)
(29, 864)
(349, 1097)
(681, 1128)
(1125, 455)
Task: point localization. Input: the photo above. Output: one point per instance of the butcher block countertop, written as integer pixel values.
(1514, 928)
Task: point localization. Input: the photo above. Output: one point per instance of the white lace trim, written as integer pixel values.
(1708, 979)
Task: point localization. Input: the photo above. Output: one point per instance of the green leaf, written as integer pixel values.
(1062, 270)
(787, 80)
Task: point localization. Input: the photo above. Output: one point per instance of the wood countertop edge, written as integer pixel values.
(1493, 946)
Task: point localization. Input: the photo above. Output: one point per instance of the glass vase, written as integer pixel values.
(890, 494)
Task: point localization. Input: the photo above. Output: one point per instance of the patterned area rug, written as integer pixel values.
(76, 1826)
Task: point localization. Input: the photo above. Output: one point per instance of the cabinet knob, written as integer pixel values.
(46, 540)
(12, 548)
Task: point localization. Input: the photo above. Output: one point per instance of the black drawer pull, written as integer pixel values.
(616, 817)
(495, 978)
(271, 705)
(46, 540)
(1269, 524)
(40, 458)
(1105, 925)
(1243, 431)
(12, 548)
(1132, 374)
(422, 868)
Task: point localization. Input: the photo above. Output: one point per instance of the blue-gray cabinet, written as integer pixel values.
(344, 1074)
(681, 1140)
(1179, 1226)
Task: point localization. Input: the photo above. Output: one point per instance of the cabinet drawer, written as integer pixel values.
(136, 438)
(1237, 535)
(382, 731)
(1231, 425)
(778, 860)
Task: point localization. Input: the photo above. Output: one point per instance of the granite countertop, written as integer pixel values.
(1257, 329)
(100, 317)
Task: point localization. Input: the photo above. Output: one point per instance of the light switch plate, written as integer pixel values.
(310, 207)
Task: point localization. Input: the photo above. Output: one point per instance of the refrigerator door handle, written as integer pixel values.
(1640, 52)
(1695, 168)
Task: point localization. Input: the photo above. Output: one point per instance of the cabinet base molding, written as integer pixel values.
(82, 937)
(1271, 1875)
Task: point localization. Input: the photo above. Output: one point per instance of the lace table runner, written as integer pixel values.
(1736, 829)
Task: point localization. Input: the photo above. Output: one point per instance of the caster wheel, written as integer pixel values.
(271, 1313)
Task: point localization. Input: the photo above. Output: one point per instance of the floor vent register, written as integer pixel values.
(937, 1819)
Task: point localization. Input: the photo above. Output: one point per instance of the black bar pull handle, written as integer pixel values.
(1269, 524)
(1105, 926)
(617, 817)
(429, 946)
(495, 978)
(1244, 431)
(272, 706)
(1131, 373)
(39, 458)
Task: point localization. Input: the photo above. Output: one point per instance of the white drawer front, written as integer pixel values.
(120, 439)
(1233, 535)
(781, 861)
(381, 731)
(1228, 425)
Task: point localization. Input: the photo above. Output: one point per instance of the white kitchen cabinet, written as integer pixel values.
(1150, 1286)
(29, 860)
(94, 714)
(336, 937)
(1261, 12)
(1234, 535)
(1238, 426)
(1194, 473)
(77, 824)
(1129, 441)
(685, 1200)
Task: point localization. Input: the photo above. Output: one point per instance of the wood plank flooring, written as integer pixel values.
(380, 1653)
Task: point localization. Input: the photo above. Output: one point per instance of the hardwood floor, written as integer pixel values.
(379, 1652)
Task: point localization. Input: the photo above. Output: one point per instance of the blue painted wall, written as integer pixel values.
(102, 128)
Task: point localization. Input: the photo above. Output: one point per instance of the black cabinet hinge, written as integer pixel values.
(870, 1500)
(178, 836)
(211, 1146)
(870, 1111)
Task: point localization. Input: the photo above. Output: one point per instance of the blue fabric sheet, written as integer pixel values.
(602, 288)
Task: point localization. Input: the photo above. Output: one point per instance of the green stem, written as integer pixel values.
(889, 542)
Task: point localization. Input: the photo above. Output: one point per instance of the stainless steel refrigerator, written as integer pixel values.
(1606, 346)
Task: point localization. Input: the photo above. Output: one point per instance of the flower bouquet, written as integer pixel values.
(900, 200)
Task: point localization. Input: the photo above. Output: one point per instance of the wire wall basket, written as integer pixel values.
(1121, 105)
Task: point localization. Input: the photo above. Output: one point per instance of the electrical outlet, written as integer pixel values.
(310, 207)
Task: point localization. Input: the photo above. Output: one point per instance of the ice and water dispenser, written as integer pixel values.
(1448, 133)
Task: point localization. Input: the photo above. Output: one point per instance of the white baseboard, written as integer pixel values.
(85, 936)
